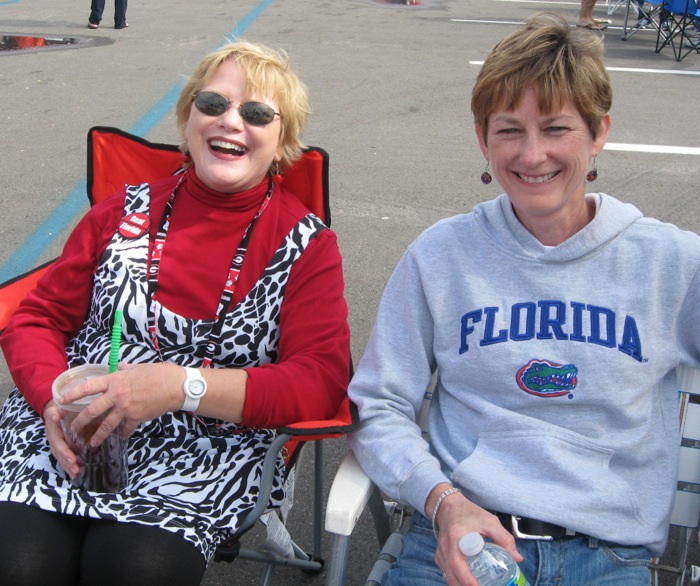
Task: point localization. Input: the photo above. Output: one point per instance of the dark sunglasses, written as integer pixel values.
(214, 104)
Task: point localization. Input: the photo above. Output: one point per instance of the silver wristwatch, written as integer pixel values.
(195, 387)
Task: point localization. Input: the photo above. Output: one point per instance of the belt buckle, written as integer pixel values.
(517, 533)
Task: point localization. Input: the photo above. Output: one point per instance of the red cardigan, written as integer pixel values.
(311, 376)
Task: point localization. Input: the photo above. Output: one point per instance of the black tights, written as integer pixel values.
(39, 547)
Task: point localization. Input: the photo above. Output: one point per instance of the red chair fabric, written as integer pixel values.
(117, 158)
(16, 289)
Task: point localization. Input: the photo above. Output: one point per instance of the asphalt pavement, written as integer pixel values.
(390, 88)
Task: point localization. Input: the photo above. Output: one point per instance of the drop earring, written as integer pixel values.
(486, 176)
(275, 172)
(592, 175)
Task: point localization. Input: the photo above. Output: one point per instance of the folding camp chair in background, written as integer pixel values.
(682, 17)
(353, 492)
(116, 158)
(612, 7)
(650, 11)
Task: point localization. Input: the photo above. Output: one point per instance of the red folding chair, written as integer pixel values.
(116, 158)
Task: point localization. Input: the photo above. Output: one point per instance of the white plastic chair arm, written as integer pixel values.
(349, 494)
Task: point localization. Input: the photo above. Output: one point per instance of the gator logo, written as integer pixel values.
(547, 379)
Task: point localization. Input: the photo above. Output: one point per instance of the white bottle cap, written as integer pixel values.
(471, 544)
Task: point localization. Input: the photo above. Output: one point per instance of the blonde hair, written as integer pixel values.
(268, 74)
(559, 63)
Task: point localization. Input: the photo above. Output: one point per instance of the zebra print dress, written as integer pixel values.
(192, 476)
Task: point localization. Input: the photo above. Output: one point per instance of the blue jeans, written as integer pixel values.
(571, 561)
(97, 8)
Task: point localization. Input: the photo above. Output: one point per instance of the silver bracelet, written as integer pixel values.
(441, 498)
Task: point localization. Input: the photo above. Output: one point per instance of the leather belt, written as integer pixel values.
(525, 528)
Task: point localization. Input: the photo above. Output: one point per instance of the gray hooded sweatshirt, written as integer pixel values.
(556, 396)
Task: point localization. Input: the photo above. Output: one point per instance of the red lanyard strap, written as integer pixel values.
(211, 342)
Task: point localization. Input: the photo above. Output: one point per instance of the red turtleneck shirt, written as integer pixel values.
(311, 375)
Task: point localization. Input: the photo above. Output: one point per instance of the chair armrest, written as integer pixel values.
(342, 423)
(348, 497)
(12, 292)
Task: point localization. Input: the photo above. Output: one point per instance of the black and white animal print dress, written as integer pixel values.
(195, 477)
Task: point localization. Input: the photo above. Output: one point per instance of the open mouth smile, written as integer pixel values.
(228, 148)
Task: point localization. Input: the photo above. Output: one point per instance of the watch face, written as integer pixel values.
(196, 388)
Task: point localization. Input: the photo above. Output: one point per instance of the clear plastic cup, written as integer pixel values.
(102, 468)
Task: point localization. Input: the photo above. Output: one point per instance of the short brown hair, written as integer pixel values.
(559, 63)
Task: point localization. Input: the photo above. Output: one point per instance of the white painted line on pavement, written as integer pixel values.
(641, 70)
(651, 148)
(632, 70)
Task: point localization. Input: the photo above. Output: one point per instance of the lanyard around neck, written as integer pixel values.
(153, 270)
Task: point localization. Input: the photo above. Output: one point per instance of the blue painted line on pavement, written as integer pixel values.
(30, 251)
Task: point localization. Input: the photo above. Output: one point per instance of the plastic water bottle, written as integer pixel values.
(490, 564)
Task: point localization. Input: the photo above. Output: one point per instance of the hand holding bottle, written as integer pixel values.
(489, 563)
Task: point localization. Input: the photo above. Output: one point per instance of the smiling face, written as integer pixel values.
(541, 161)
(229, 154)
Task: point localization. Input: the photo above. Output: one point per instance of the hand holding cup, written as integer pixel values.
(102, 467)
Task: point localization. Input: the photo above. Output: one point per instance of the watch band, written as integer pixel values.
(194, 388)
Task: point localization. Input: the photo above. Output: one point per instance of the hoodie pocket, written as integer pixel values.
(548, 476)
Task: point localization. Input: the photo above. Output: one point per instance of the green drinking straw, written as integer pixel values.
(116, 341)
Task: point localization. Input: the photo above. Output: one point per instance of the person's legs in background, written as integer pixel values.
(643, 20)
(96, 9)
(585, 17)
(120, 14)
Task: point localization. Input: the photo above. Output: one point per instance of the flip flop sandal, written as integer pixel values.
(594, 26)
